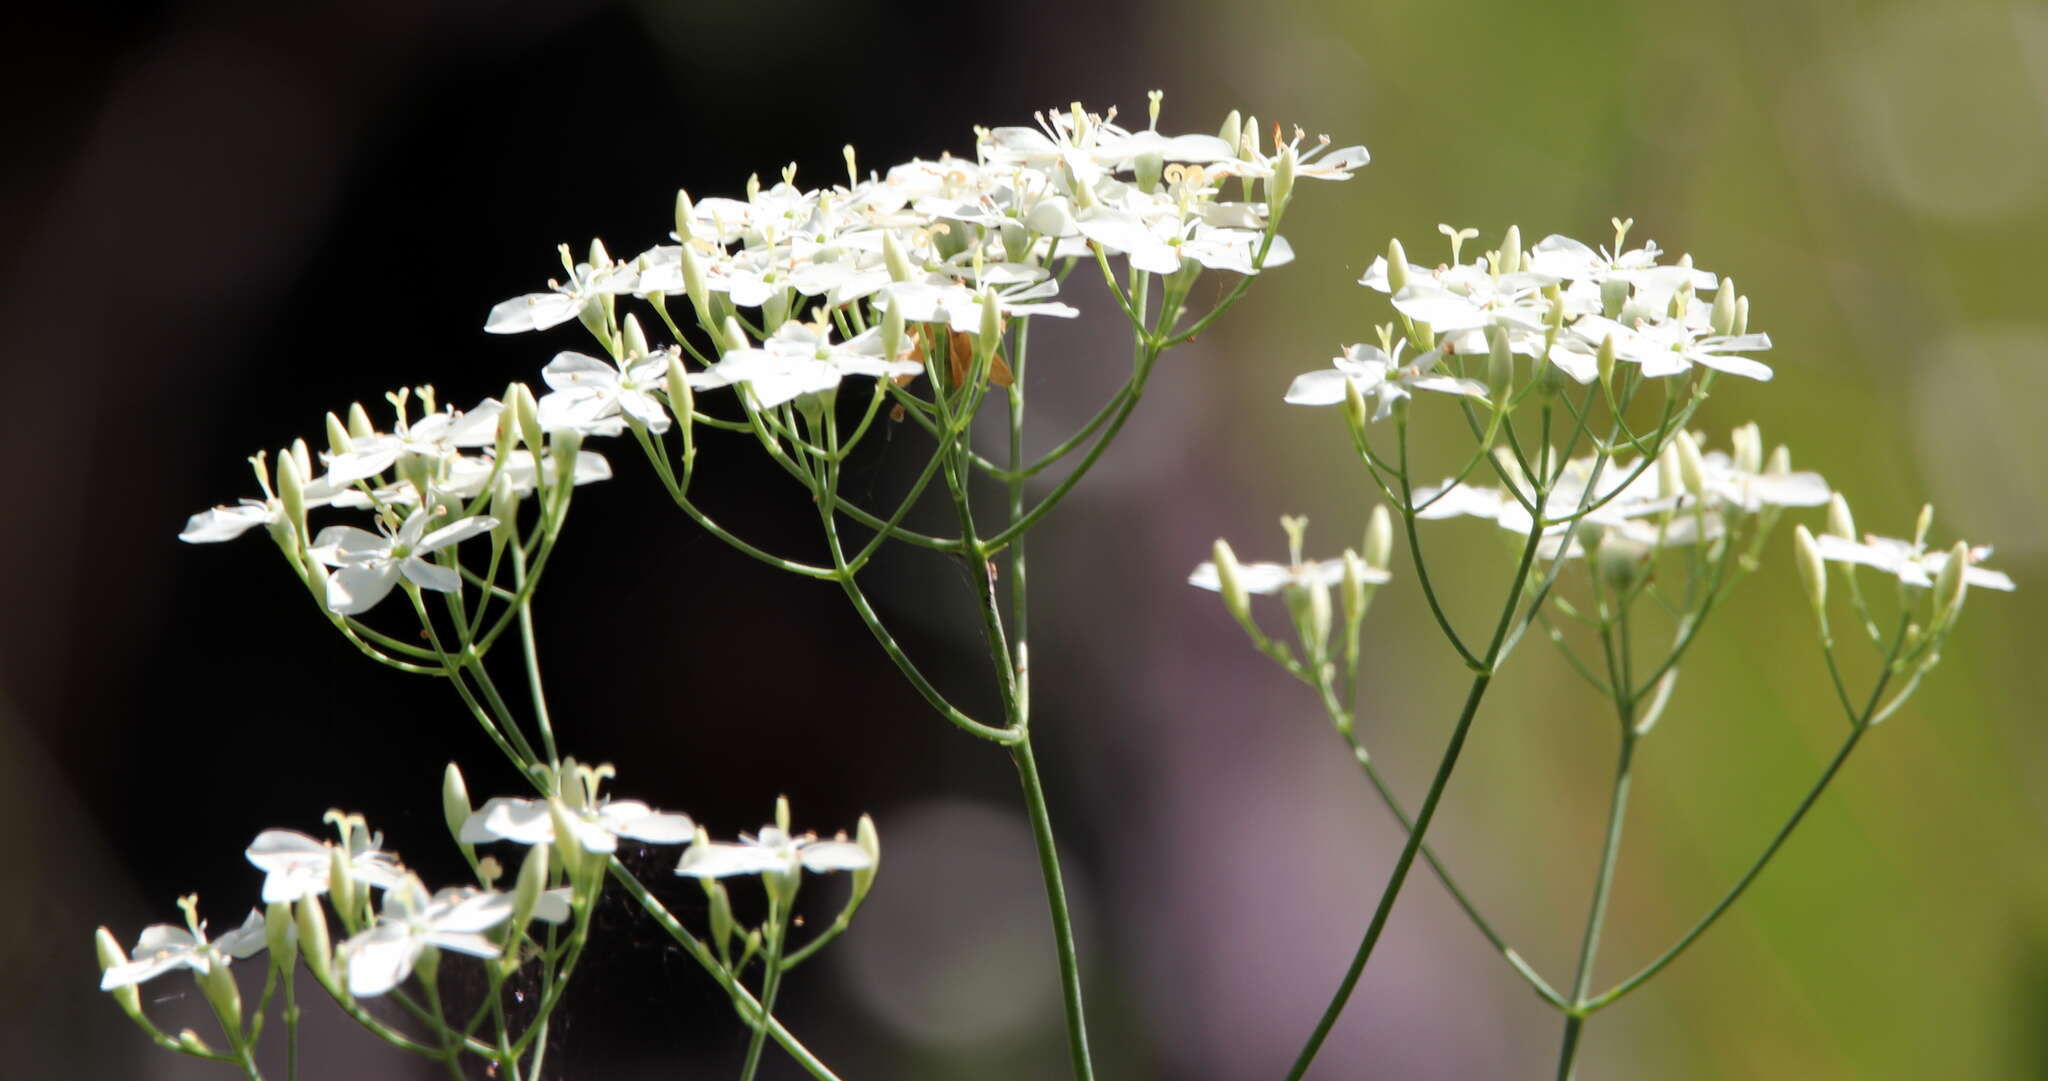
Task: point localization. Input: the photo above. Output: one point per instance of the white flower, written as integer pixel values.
(296, 866)
(410, 923)
(801, 359)
(1672, 347)
(1378, 377)
(772, 851)
(164, 947)
(597, 829)
(1912, 563)
(1275, 577)
(368, 565)
(588, 392)
(588, 282)
(436, 436)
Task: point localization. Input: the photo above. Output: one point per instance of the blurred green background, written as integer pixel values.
(237, 217)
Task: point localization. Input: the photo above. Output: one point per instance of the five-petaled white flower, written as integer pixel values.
(772, 851)
(801, 359)
(410, 923)
(1912, 563)
(297, 866)
(588, 282)
(164, 946)
(597, 828)
(1379, 377)
(1275, 577)
(367, 565)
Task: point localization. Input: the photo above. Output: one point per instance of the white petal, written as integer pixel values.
(717, 860)
(658, 828)
(826, 856)
(380, 959)
(358, 587)
(502, 818)
(431, 576)
(225, 523)
(1322, 387)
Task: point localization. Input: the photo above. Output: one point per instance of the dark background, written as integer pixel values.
(229, 219)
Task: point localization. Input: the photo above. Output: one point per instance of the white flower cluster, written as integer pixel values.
(1684, 496)
(1560, 302)
(954, 243)
(425, 484)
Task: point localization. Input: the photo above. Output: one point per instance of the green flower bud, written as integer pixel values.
(1354, 589)
(1692, 470)
(1500, 365)
(1232, 129)
(1613, 296)
(218, 985)
(290, 491)
(565, 447)
(720, 911)
(1950, 585)
(1780, 462)
(1925, 522)
(1397, 266)
(894, 259)
(533, 879)
(455, 807)
(1511, 250)
(685, 210)
(280, 936)
(636, 338)
(192, 1044)
(1248, 139)
(1748, 442)
(1230, 583)
(1723, 320)
(892, 332)
(1354, 404)
(1741, 315)
(870, 842)
(1379, 539)
(694, 287)
(598, 256)
(1621, 562)
(314, 944)
(1840, 522)
(1813, 570)
(572, 855)
(1148, 167)
(348, 896)
(128, 996)
(1310, 606)
(1605, 361)
(736, 335)
(782, 813)
(359, 425)
(338, 441)
(527, 412)
(991, 322)
(1281, 187)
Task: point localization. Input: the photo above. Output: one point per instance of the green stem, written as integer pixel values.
(1603, 886)
(770, 984)
(1056, 899)
(1399, 876)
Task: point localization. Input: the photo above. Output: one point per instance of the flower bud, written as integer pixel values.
(218, 985)
(455, 808)
(359, 426)
(1397, 266)
(1748, 442)
(314, 944)
(571, 852)
(685, 210)
(1310, 606)
(1354, 404)
(1921, 526)
(1780, 462)
(565, 447)
(1379, 539)
(720, 911)
(1723, 319)
(1230, 583)
(1741, 316)
(870, 842)
(338, 441)
(1613, 297)
(1354, 595)
(599, 257)
(892, 332)
(1619, 561)
(1500, 365)
(1840, 522)
(1692, 470)
(1950, 584)
(694, 287)
(894, 259)
(1232, 129)
(1813, 570)
(128, 996)
(281, 936)
(290, 491)
(1511, 250)
(636, 338)
(1281, 187)
(1148, 168)
(782, 813)
(735, 335)
(1248, 139)
(190, 1042)
(991, 321)
(1605, 361)
(533, 879)
(526, 411)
